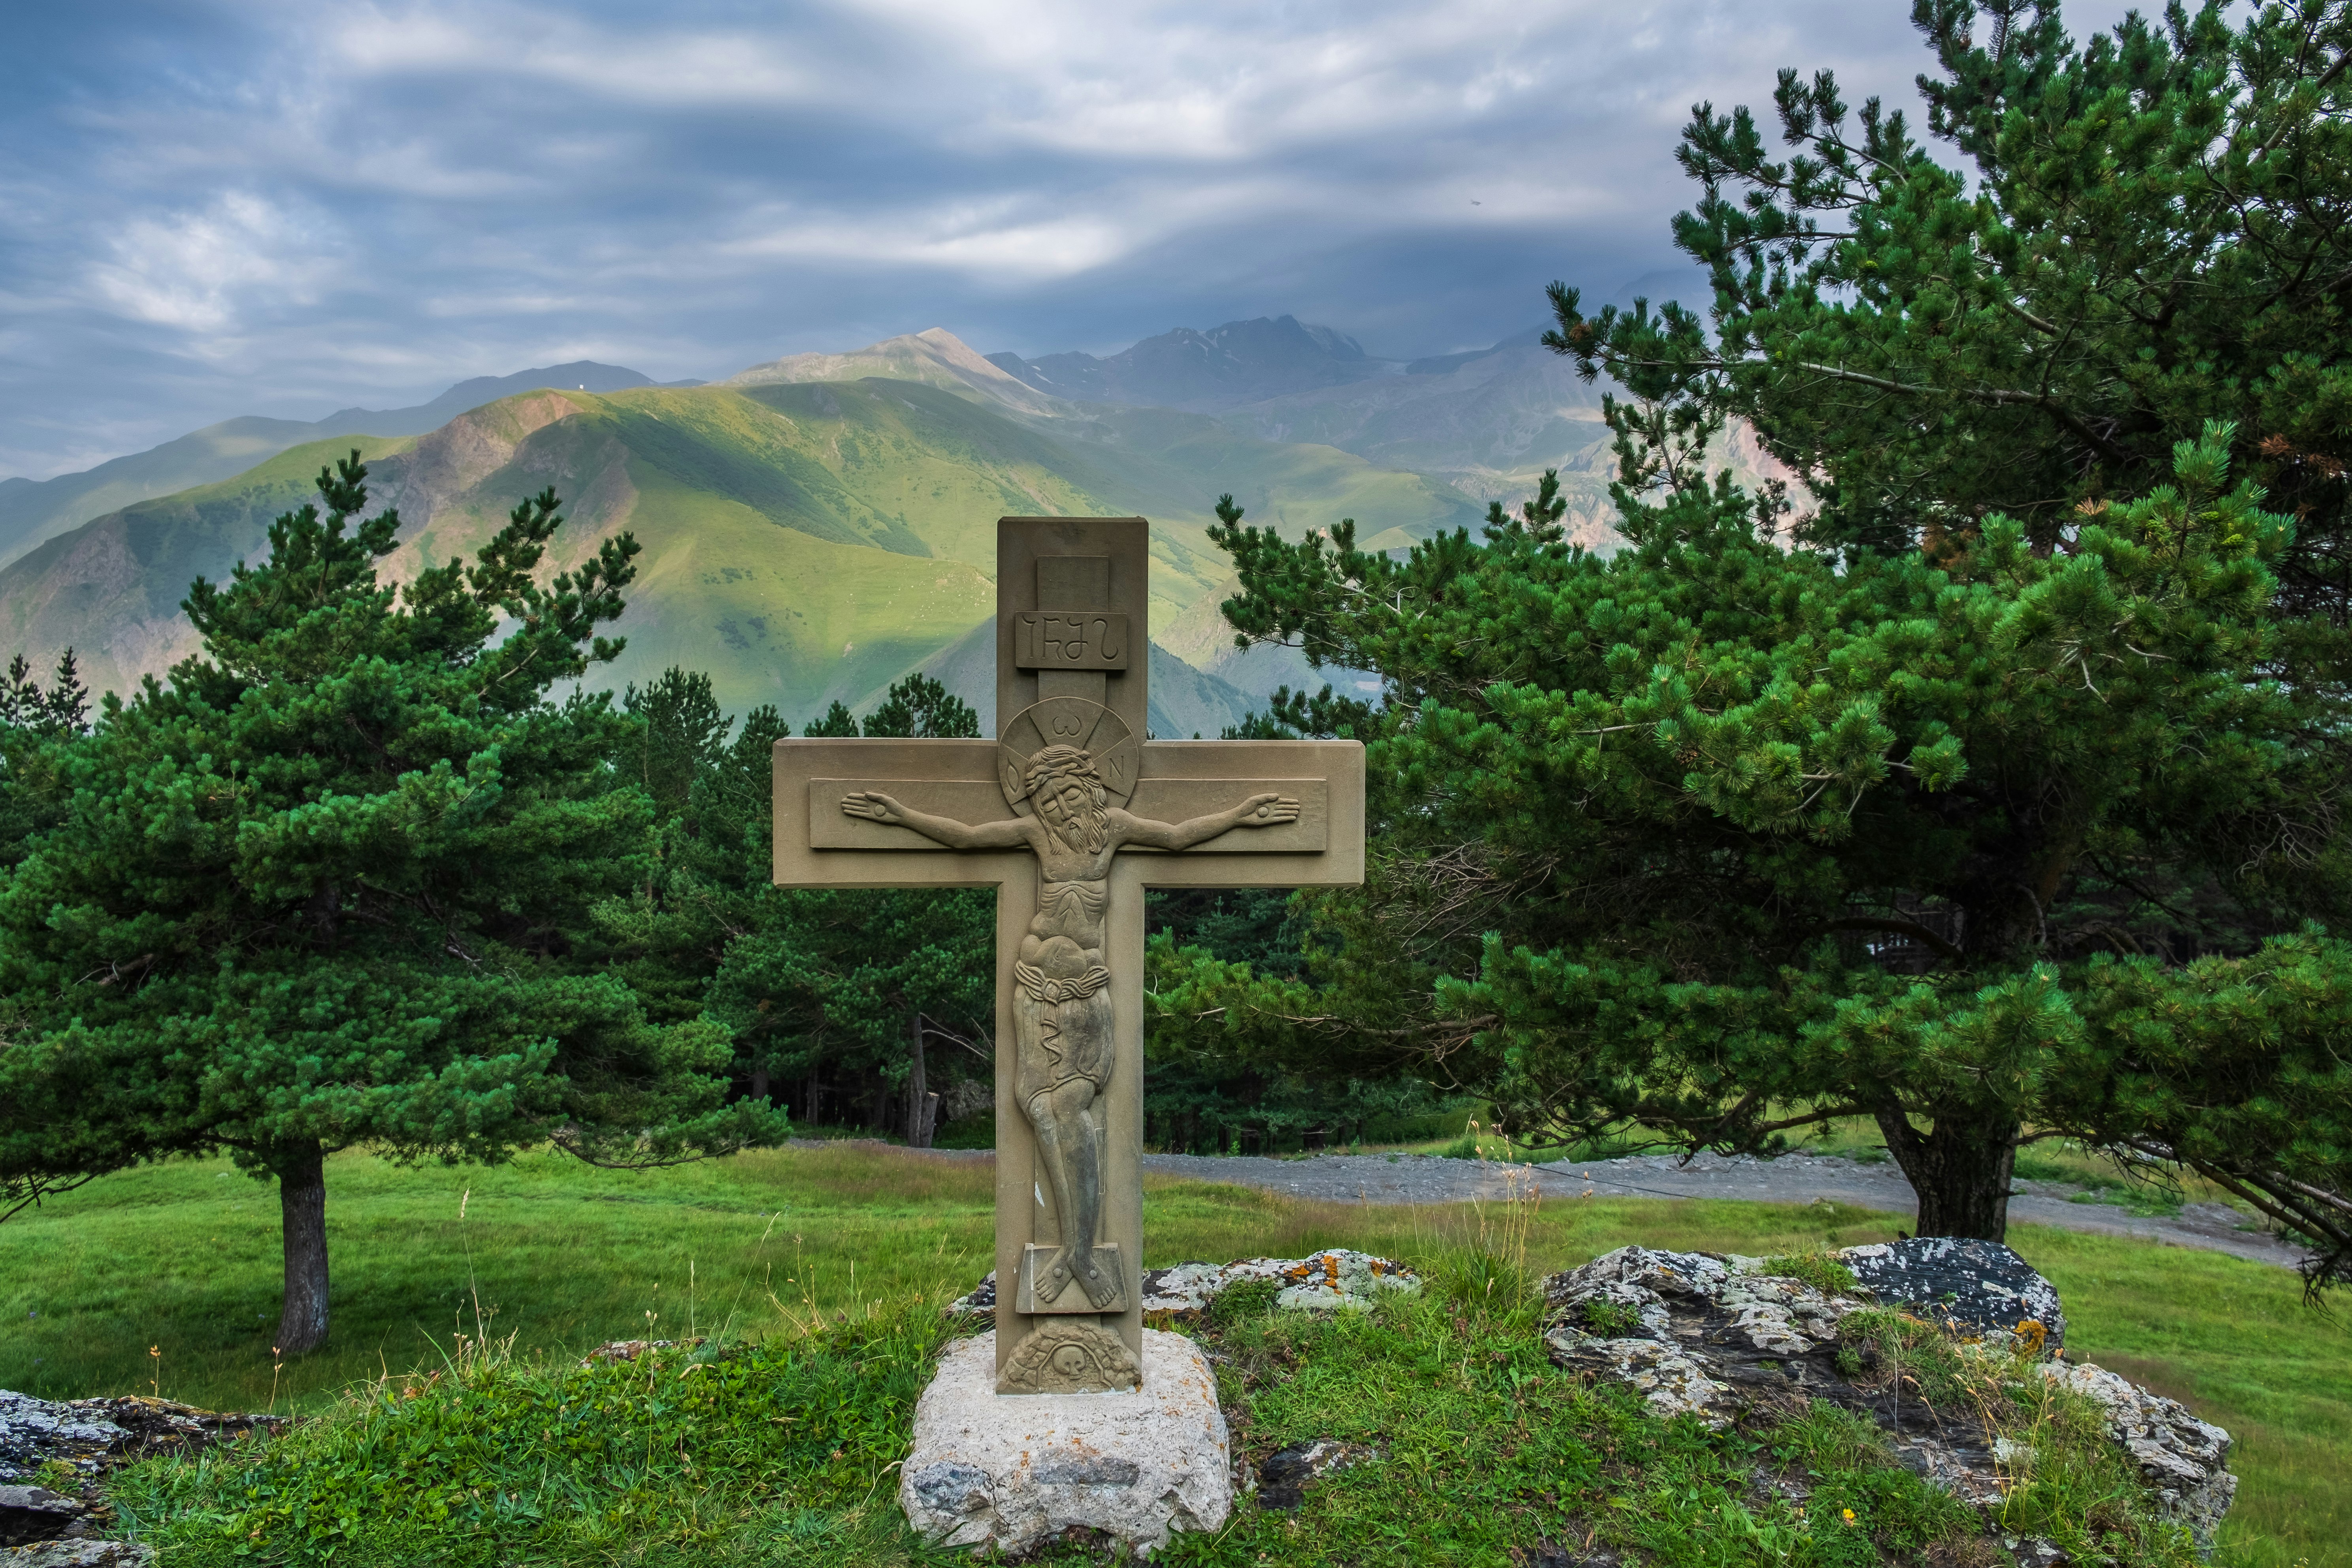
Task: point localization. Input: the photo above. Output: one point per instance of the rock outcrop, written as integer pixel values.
(1287, 1474)
(1718, 1338)
(54, 1454)
(1982, 1285)
(1349, 1281)
(2181, 1458)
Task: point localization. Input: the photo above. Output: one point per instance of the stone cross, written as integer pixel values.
(1070, 814)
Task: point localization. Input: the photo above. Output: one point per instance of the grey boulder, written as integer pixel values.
(1717, 1338)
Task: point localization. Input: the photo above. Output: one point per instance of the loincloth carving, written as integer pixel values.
(1037, 987)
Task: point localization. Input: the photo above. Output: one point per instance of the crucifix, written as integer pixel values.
(1070, 814)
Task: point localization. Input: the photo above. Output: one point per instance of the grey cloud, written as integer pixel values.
(217, 210)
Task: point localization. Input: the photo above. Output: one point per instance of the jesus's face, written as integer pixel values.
(1067, 807)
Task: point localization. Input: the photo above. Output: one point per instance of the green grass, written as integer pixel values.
(183, 1257)
(783, 1455)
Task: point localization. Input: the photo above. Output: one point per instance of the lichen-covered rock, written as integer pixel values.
(2181, 1458)
(36, 1513)
(1982, 1285)
(96, 1434)
(630, 1349)
(80, 1555)
(1690, 1330)
(1349, 1281)
(91, 1436)
(1717, 1338)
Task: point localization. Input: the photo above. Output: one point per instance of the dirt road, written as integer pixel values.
(1791, 1179)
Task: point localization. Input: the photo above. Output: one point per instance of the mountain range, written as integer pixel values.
(817, 526)
(1241, 362)
(34, 510)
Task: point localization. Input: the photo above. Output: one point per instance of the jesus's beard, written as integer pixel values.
(1087, 830)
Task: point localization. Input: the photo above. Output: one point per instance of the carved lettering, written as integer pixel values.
(1069, 639)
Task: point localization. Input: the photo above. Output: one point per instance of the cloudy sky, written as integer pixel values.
(290, 206)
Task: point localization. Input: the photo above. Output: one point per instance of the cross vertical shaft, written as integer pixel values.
(1046, 566)
(1070, 815)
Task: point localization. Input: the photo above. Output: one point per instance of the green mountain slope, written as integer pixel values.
(32, 511)
(111, 588)
(1157, 458)
(35, 510)
(803, 542)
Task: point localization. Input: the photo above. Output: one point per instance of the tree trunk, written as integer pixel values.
(302, 1203)
(1960, 1171)
(916, 1089)
(759, 1078)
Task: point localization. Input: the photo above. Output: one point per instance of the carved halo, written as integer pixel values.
(1067, 721)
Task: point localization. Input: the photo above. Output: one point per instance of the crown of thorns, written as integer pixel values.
(1055, 762)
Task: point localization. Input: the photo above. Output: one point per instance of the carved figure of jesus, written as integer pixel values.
(1063, 1043)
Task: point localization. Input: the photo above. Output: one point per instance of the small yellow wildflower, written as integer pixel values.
(1849, 1515)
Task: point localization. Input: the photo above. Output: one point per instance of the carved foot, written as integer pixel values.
(1100, 1287)
(1047, 1271)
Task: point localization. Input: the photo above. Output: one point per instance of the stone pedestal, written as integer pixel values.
(1014, 1469)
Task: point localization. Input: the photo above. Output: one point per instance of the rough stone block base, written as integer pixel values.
(1014, 1469)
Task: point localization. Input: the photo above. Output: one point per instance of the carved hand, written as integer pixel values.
(1267, 810)
(874, 806)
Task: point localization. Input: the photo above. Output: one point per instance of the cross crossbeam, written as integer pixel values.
(1070, 815)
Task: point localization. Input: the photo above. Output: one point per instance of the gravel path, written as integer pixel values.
(1791, 1179)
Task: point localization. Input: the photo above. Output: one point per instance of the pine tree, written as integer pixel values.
(1713, 841)
(1970, 785)
(858, 984)
(319, 888)
(2148, 235)
(707, 849)
(920, 705)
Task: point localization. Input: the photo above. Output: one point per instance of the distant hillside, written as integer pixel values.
(1488, 422)
(821, 523)
(1202, 638)
(1241, 362)
(580, 375)
(34, 510)
(803, 542)
(934, 358)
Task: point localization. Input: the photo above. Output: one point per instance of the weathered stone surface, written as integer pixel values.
(630, 1349)
(36, 1513)
(92, 1437)
(80, 1555)
(1980, 1285)
(1715, 1338)
(1283, 1477)
(1696, 1334)
(1544, 1554)
(1017, 1471)
(96, 1434)
(2181, 1458)
(1337, 1279)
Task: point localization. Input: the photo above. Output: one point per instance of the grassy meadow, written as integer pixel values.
(166, 1279)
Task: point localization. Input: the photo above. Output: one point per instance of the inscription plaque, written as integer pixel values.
(1069, 639)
